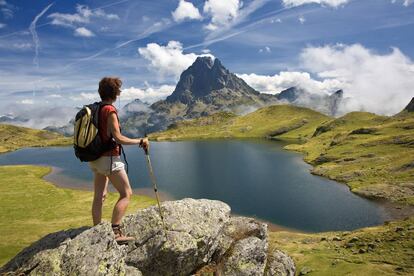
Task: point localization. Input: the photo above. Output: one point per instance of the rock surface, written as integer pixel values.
(201, 235)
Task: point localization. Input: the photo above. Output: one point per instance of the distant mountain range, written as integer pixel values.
(207, 87)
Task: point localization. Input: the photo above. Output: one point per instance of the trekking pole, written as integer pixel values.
(154, 184)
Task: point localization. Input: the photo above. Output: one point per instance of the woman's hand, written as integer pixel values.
(144, 144)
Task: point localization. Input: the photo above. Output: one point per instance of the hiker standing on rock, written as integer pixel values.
(110, 166)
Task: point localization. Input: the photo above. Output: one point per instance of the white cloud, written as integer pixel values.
(167, 60)
(405, 3)
(377, 83)
(222, 12)
(279, 82)
(82, 31)
(86, 97)
(27, 101)
(332, 3)
(265, 49)
(2, 25)
(149, 94)
(302, 19)
(3, 3)
(277, 20)
(22, 46)
(186, 10)
(83, 15)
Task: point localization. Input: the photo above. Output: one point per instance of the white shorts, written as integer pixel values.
(102, 165)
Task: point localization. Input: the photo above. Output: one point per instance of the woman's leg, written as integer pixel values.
(120, 181)
(100, 184)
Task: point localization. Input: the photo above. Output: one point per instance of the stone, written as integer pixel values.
(305, 270)
(337, 238)
(199, 233)
(280, 264)
(354, 239)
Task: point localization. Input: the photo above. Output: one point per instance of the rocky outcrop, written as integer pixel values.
(201, 236)
(327, 104)
(410, 106)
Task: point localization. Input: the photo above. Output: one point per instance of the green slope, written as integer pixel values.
(283, 121)
(14, 137)
(373, 154)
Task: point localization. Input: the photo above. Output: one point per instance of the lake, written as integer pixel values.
(255, 177)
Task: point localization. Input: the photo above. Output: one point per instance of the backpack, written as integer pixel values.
(87, 142)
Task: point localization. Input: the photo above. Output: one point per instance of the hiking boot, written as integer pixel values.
(120, 238)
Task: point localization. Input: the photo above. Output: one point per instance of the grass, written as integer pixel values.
(382, 250)
(14, 137)
(372, 154)
(30, 208)
(294, 122)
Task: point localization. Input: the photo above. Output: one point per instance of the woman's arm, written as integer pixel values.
(113, 126)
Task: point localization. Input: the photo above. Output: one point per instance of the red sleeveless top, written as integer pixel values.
(103, 128)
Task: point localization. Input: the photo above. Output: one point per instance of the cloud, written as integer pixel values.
(82, 31)
(332, 3)
(167, 60)
(3, 3)
(2, 25)
(23, 46)
(27, 101)
(222, 12)
(406, 3)
(85, 97)
(83, 15)
(265, 49)
(185, 10)
(284, 80)
(302, 19)
(380, 83)
(36, 115)
(148, 94)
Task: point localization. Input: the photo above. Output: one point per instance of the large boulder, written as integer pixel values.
(200, 235)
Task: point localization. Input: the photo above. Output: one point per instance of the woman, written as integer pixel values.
(109, 166)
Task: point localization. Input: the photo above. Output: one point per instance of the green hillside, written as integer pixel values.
(373, 155)
(281, 121)
(15, 137)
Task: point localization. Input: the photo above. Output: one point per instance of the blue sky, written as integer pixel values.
(53, 54)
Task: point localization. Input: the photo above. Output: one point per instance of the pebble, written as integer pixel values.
(337, 238)
(354, 239)
(305, 270)
(362, 251)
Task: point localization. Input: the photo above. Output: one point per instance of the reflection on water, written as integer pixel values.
(255, 177)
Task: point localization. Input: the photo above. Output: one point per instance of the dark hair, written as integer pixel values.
(109, 88)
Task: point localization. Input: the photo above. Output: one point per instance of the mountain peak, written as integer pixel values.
(410, 106)
(205, 76)
(208, 61)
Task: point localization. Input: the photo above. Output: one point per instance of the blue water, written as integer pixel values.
(255, 177)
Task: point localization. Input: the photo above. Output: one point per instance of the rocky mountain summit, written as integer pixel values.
(410, 106)
(204, 88)
(201, 237)
(327, 104)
